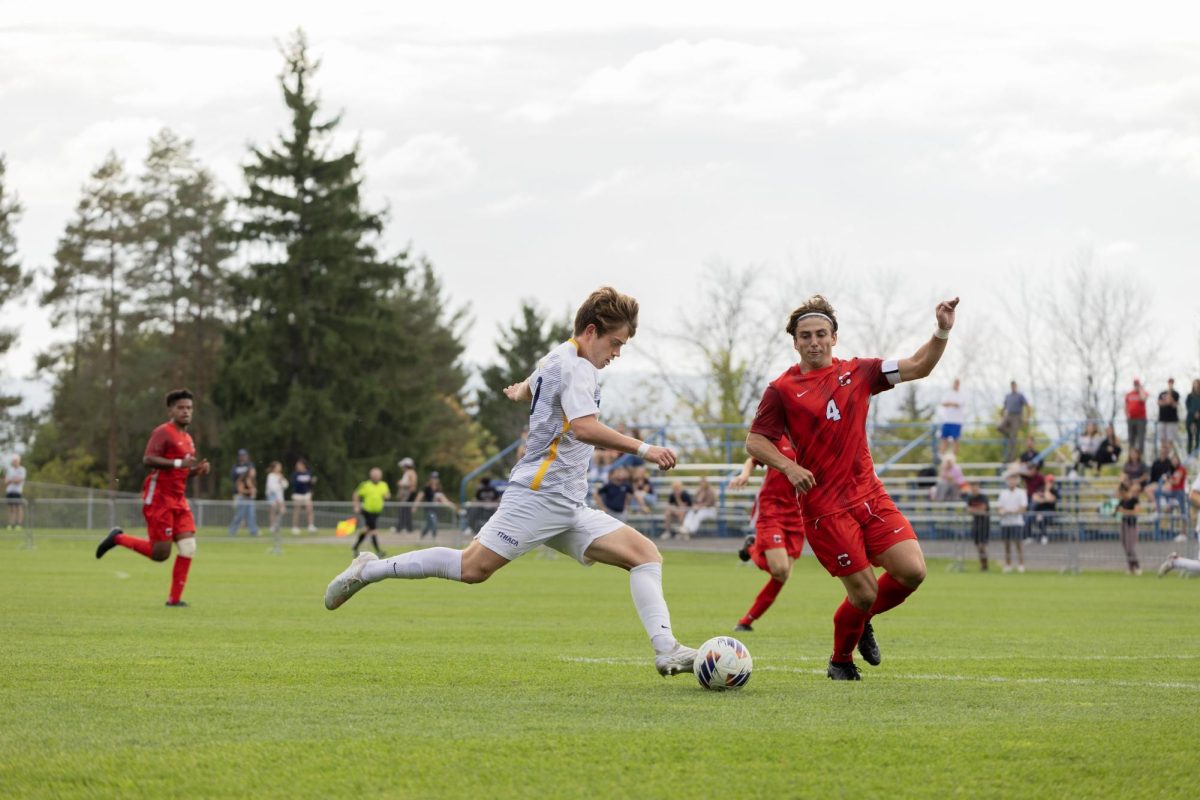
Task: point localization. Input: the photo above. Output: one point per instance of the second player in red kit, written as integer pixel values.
(821, 406)
(778, 532)
(171, 456)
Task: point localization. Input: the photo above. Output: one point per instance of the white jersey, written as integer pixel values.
(564, 389)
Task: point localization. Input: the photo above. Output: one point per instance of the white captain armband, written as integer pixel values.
(178, 463)
(891, 369)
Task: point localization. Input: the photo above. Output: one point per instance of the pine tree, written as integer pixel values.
(94, 287)
(328, 332)
(519, 347)
(13, 282)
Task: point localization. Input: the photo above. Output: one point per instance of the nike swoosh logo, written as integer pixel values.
(801, 394)
(897, 530)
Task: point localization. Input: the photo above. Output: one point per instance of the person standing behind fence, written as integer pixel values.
(406, 495)
(977, 507)
(430, 497)
(368, 500)
(1192, 410)
(302, 492)
(1135, 416)
(953, 413)
(276, 486)
(1168, 414)
(1129, 493)
(245, 490)
(14, 493)
(1012, 504)
(1015, 412)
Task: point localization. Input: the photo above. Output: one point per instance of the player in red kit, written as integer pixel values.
(821, 405)
(778, 532)
(171, 456)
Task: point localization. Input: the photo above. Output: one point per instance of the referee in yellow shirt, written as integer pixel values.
(368, 500)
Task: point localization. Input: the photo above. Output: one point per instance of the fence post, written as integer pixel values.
(29, 515)
(91, 501)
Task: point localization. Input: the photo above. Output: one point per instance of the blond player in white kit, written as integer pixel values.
(545, 500)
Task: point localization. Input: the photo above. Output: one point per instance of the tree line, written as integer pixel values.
(277, 307)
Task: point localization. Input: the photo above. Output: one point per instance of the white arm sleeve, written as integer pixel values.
(579, 390)
(891, 370)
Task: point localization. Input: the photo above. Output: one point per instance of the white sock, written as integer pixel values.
(433, 562)
(645, 584)
(1187, 564)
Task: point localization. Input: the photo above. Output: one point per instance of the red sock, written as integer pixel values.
(848, 624)
(761, 603)
(179, 577)
(143, 546)
(891, 594)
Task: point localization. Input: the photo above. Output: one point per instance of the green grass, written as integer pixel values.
(992, 685)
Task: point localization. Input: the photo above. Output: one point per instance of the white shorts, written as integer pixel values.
(527, 519)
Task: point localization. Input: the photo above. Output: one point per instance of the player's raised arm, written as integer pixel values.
(590, 430)
(922, 362)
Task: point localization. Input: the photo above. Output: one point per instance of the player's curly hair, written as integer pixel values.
(817, 304)
(175, 395)
(607, 309)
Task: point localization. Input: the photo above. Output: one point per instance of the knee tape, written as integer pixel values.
(187, 547)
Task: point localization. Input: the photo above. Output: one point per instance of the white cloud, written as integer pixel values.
(1030, 153)
(713, 76)
(425, 163)
(607, 184)
(511, 203)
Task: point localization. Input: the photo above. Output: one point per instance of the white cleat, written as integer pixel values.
(348, 582)
(1167, 565)
(678, 660)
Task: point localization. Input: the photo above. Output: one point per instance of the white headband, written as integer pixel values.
(825, 317)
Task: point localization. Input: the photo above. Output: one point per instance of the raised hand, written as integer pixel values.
(945, 313)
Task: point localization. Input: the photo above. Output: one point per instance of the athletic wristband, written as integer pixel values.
(178, 463)
(941, 334)
(643, 448)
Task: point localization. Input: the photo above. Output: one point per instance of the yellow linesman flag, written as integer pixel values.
(347, 526)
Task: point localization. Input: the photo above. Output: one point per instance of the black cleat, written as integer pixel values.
(743, 626)
(868, 648)
(843, 672)
(109, 542)
(744, 553)
(176, 604)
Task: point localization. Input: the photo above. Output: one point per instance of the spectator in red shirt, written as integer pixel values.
(1135, 416)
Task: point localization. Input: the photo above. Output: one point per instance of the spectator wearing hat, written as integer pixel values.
(406, 494)
(430, 497)
(245, 490)
(1135, 416)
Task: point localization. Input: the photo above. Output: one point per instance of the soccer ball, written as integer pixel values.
(722, 663)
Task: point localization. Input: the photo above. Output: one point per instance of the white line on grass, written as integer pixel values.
(1195, 687)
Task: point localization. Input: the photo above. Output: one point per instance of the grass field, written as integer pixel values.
(540, 684)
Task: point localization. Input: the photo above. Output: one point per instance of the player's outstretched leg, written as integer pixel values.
(118, 537)
(1188, 566)
(765, 599)
(179, 572)
(348, 582)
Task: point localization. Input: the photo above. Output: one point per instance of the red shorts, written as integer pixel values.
(849, 541)
(774, 532)
(164, 523)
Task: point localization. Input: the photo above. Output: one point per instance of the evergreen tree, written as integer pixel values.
(333, 357)
(13, 282)
(519, 347)
(94, 286)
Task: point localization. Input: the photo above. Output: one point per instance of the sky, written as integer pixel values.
(537, 150)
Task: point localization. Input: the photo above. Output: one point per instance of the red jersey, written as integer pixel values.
(1135, 404)
(777, 496)
(824, 413)
(165, 485)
